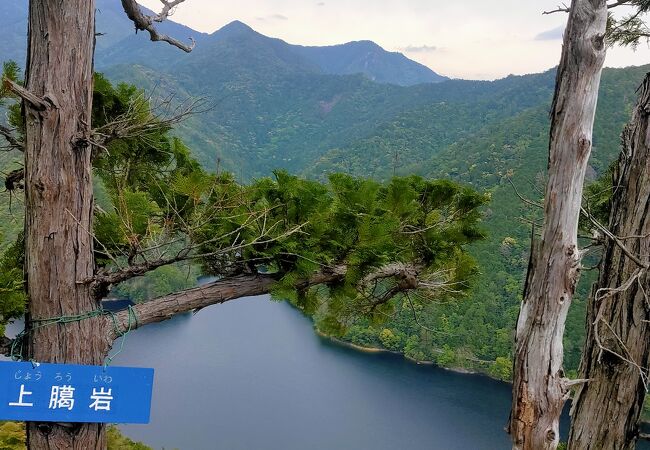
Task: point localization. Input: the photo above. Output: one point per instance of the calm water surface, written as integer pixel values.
(251, 374)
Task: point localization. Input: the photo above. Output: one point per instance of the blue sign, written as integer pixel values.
(71, 393)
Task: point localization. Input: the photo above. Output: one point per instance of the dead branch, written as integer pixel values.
(103, 281)
(14, 180)
(619, 3)
(165, 114)
(145, 22)
(599, 297)
(618, 241)
(13, 142)
(524, 199)
(167, 9)
(36, 102)
(602, 228)
(5, 345)
(563, 8)
(568, 383)
(415, 316)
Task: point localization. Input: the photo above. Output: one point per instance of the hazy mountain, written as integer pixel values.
(122, 45)
(370, 59)
(13, 23)
(117, 43)
(113, 27)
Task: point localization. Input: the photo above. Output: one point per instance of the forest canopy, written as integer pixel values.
(340, 250)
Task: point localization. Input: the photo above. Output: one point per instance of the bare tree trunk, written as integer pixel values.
(606, 411)
(539, 388)
(59, 201)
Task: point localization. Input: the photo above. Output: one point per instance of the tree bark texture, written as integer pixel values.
(166, 307)
(217, 292)
(59, 201)
(539, 388)
(606, 411)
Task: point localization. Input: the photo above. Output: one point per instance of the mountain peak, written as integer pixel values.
(369, 58)
(236, 26)
(363, 43)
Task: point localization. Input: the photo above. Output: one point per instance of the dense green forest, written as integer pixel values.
(474, 333)
(513, 151)
(269, 106)
(366, 241)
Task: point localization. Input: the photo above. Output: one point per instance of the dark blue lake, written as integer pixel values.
(251, 374)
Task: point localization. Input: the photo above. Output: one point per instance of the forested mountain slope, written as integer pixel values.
(517, 149)
(273, 105)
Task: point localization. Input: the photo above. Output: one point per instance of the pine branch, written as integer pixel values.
(166, 307)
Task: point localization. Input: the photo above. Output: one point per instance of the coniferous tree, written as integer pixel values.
(362, 243)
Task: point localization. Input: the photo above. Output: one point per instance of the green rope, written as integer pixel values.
(132, 316)
(18, 344)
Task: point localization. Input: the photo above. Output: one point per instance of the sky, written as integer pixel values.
(471, 39)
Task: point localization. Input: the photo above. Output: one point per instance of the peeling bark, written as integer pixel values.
(59, 265)
(58, 200)
(606, 411)
(539, 388)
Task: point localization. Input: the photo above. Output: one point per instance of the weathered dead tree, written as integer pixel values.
(616, 357)
(540, 389)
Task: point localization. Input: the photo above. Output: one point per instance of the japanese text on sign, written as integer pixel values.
(74, 393)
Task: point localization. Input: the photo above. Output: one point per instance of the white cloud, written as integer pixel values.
(272, 17)
(419, 48)
(551, 35)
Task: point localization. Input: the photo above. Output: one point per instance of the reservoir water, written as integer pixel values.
(252, 375)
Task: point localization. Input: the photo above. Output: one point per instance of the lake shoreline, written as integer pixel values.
(375, 350)
(459, 370)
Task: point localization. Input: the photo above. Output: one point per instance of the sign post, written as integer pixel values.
(36, 392)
